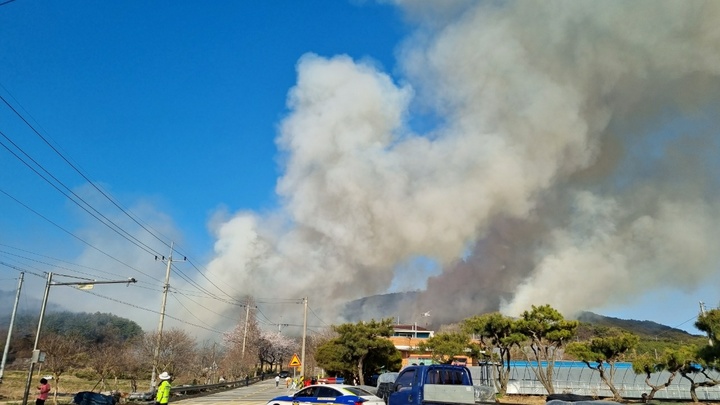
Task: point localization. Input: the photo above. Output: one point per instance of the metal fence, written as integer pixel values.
(577, 378)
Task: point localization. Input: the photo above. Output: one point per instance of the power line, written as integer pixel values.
(204, 292)
(75, 236)
(20, 269)
(316, 316)
(188, 310)
(76, 169)
(210, 281)
(55, 265)
(150, 310)
(85, 206)
(202, 306)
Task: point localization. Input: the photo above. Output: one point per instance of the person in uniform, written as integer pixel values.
(163, 392)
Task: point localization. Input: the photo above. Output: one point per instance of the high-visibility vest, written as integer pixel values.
(163, 392)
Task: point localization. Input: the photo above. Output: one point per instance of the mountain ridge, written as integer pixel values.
(388, 305)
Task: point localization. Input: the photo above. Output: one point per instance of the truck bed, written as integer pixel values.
(450, 394)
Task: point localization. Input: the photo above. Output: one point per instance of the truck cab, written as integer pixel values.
(433, 384)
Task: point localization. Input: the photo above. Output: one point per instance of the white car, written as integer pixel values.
(328, 394)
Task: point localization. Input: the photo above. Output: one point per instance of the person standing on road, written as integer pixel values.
(163, 393)
(277, 381)
(43, 391)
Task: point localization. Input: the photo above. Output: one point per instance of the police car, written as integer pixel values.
(340, 394)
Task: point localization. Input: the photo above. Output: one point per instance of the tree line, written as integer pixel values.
(540, 336)
(107, 348)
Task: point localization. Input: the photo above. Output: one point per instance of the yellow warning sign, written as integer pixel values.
(295, 361)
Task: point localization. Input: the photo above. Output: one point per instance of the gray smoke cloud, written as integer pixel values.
(571, 162)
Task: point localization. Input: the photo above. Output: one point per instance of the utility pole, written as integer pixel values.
(10, 329)
(302, 355)
(166, 287)
(247, 318)
(280, 325)
(37, 338)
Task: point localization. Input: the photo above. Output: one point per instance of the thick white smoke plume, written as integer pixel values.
(571, 162)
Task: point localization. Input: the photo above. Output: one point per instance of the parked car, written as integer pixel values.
(284, 374)
(340, 394)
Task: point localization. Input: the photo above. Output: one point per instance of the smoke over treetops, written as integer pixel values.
(575, 144)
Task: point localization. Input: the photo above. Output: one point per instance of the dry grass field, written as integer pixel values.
(13, 387)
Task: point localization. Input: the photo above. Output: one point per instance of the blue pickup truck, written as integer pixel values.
(433, 384)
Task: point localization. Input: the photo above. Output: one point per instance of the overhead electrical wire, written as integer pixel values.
(75, 236)
(267, 320)
(60, 260)
(208, 280)
(117, 228)
(106, 220)
(316, 316)
(150, 310)
(204, 307)
(20, 269)
(188, 310)
(80, 172)
(85, 206)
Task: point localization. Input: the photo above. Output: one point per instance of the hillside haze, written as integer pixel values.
(393, 306)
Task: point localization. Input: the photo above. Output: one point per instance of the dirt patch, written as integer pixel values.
(522, 399)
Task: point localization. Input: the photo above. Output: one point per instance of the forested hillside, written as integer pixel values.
(590, 323)
(88, 327)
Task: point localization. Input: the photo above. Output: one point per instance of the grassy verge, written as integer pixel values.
(13, 387)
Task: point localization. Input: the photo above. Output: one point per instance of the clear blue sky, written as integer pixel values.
(358, 148)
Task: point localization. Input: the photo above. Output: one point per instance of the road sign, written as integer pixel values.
(295, 361)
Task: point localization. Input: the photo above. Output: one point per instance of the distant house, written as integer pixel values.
(407, 338)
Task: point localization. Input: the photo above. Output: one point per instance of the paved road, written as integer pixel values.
(256, 394)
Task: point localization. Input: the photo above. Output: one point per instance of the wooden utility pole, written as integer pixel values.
(247, 319)
(302, 359)
(166, 287)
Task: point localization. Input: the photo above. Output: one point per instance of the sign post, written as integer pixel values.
(295, 363)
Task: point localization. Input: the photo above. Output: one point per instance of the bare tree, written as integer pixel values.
(177, 351)
(241, 344)
(134, 362)
(61, 354)
(206, 365)
(103, 358)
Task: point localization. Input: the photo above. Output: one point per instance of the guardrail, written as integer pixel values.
(191, 391)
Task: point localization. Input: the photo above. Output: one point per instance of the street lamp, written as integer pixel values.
(83, 285)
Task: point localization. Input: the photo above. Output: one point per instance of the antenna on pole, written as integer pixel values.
(169, 260)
